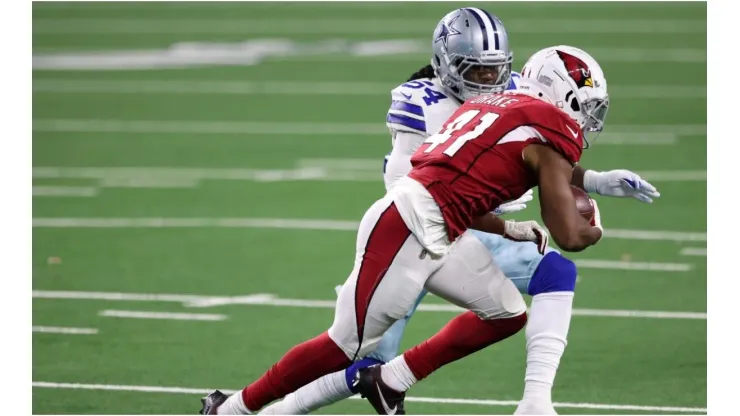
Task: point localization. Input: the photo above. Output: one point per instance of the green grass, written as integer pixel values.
(614, 361)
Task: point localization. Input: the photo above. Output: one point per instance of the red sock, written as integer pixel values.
(301, 365)
(462, 336)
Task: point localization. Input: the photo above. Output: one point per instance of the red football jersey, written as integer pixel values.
(475, 161)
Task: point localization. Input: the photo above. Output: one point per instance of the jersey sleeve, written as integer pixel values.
(558, 130)
(405, 113)
(398, 162)
(514, 83)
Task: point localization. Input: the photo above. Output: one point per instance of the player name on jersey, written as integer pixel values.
(501, 101)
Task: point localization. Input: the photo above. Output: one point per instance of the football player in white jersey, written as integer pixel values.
(472, 57)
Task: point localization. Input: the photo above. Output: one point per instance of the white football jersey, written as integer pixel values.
(421, 107)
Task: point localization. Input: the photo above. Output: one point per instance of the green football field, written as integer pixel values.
(199, 171)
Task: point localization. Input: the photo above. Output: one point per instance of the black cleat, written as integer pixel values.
(211, 403)
(384, 399)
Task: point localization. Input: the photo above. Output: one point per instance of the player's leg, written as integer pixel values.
(518, 260)
(550, 279)
(552, 288)
(470, 279)
(340, 385)
(388, 276)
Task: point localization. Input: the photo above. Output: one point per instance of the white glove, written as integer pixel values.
(515, 205)
(527, 231)
(620, 183)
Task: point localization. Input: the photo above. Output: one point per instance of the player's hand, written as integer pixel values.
(596, 221)
(515, 205)
(620, 183)
(527, 231)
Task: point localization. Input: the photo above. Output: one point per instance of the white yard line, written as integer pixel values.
(632, 134)
(347, 26)
(64, 191)
(478, 402)
(145, 6)
(206, 127)
(616, 313)
(694, 251)
(638, 139)
(675, 175)
(168, 177)
(255, 51)
(162, 315)
(164, 177)
(162, 86)
(195, 223)
(654, 235)
(638, 56)
(300, 224)
(64, 330)
(632, 265)
(267, 299)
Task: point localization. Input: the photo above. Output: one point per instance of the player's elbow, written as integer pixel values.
(570, 242)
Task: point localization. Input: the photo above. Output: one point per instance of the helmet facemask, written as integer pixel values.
(470, 77)
(594, 115)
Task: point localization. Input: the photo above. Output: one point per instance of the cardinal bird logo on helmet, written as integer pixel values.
(577, 69)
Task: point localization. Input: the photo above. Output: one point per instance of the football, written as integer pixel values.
(584, 204)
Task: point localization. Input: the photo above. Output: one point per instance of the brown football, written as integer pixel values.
(584, 205)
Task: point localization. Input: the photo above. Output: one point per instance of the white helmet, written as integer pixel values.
(573, 81)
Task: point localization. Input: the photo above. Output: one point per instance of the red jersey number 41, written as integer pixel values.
(442, 140)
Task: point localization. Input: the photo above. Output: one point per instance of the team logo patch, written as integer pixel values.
(577, 69)
(447, 31)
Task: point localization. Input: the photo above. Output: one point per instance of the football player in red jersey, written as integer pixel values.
(492, 150)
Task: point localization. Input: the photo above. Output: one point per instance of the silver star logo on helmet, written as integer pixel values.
(447, 30)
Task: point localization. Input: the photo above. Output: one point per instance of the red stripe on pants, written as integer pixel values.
(383, 244)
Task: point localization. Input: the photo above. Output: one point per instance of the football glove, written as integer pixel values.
(515, 205)
(527, 231)
(620, 183)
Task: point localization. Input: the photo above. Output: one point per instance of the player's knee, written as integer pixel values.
(502, 328)
(555, 273)
(517, 323)
(350, 374)
(507, 301)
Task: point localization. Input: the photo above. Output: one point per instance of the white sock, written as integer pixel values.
(397, 375)
(319, 393)
(234, 405)
(546, 333)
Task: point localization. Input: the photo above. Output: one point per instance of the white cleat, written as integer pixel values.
(535, 408)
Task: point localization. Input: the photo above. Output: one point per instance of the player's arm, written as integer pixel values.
(513, 230)
(619, 183)
(489, 223)
(405, 144)
(567, 227)
(577, 179)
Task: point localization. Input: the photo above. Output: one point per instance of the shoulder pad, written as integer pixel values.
(416, 104)
(406, 112)
(559, 129)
